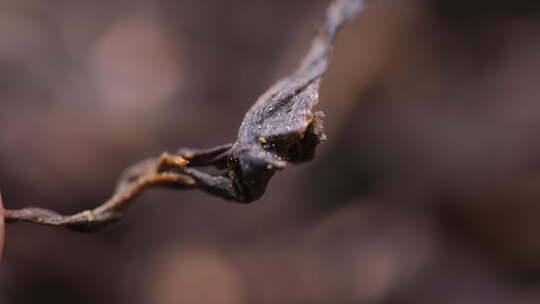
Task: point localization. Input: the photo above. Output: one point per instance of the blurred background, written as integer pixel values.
(427, 190)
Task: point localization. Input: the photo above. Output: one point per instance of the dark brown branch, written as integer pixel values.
(279, 128)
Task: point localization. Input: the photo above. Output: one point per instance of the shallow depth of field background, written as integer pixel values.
(427, 190)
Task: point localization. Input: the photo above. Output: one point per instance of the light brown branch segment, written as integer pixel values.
(132, 182)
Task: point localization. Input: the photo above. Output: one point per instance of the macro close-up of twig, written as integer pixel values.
(279, 128)
(244, 151)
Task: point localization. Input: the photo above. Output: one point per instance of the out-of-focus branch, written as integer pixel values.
(2, 229)
(133, 181)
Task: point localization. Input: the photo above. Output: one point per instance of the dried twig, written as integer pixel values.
(279, 128)
(134, 180)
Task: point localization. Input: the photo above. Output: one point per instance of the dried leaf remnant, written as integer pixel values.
(280, 127)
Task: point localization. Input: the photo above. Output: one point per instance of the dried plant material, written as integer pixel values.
(280, 127)
(131, 183)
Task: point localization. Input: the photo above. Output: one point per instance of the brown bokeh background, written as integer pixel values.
(427, 190)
